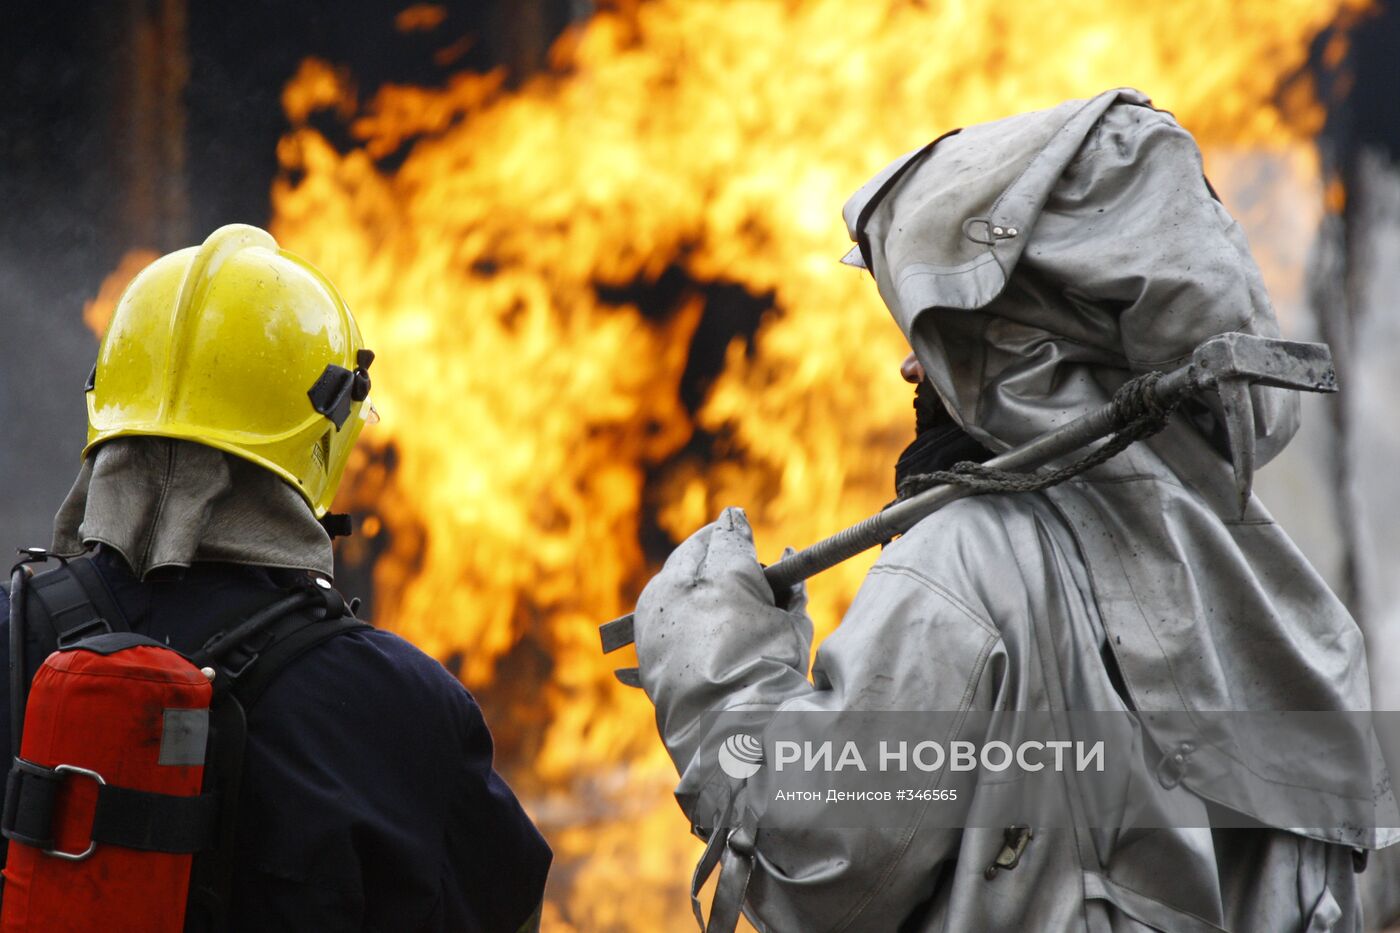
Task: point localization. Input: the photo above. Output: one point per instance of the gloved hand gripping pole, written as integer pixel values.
(1227, 364)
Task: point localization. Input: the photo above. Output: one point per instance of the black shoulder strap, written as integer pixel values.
(289, 642)
(68, 603)
(248, 671)
(55, 609)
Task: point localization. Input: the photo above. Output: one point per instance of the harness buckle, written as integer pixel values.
(92, 843)
(1014, 840)
(94, 626)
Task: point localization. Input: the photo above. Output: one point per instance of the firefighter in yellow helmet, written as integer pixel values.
(228, 392)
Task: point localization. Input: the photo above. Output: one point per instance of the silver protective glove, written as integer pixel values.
(711, 637)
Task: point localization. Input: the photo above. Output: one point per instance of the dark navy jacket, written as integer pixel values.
(369, 801)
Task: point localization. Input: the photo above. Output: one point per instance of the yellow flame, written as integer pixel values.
(533, 416)
(318, 85)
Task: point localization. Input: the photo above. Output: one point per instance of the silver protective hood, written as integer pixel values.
(1035, 264)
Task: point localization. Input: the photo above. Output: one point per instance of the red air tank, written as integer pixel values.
(132, 717)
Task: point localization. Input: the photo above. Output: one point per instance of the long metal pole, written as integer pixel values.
(900, 517)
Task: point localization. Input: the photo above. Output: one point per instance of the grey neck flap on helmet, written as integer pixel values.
(168, 503)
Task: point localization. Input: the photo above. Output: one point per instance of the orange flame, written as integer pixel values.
(532, 416)
(97, 313)
(421, 17)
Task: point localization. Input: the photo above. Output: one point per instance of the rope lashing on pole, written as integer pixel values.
(1138, 413)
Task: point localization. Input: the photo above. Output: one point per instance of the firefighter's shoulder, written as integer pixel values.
(976, 531)
(380, 684)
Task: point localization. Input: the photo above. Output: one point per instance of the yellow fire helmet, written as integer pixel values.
(240, 345)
